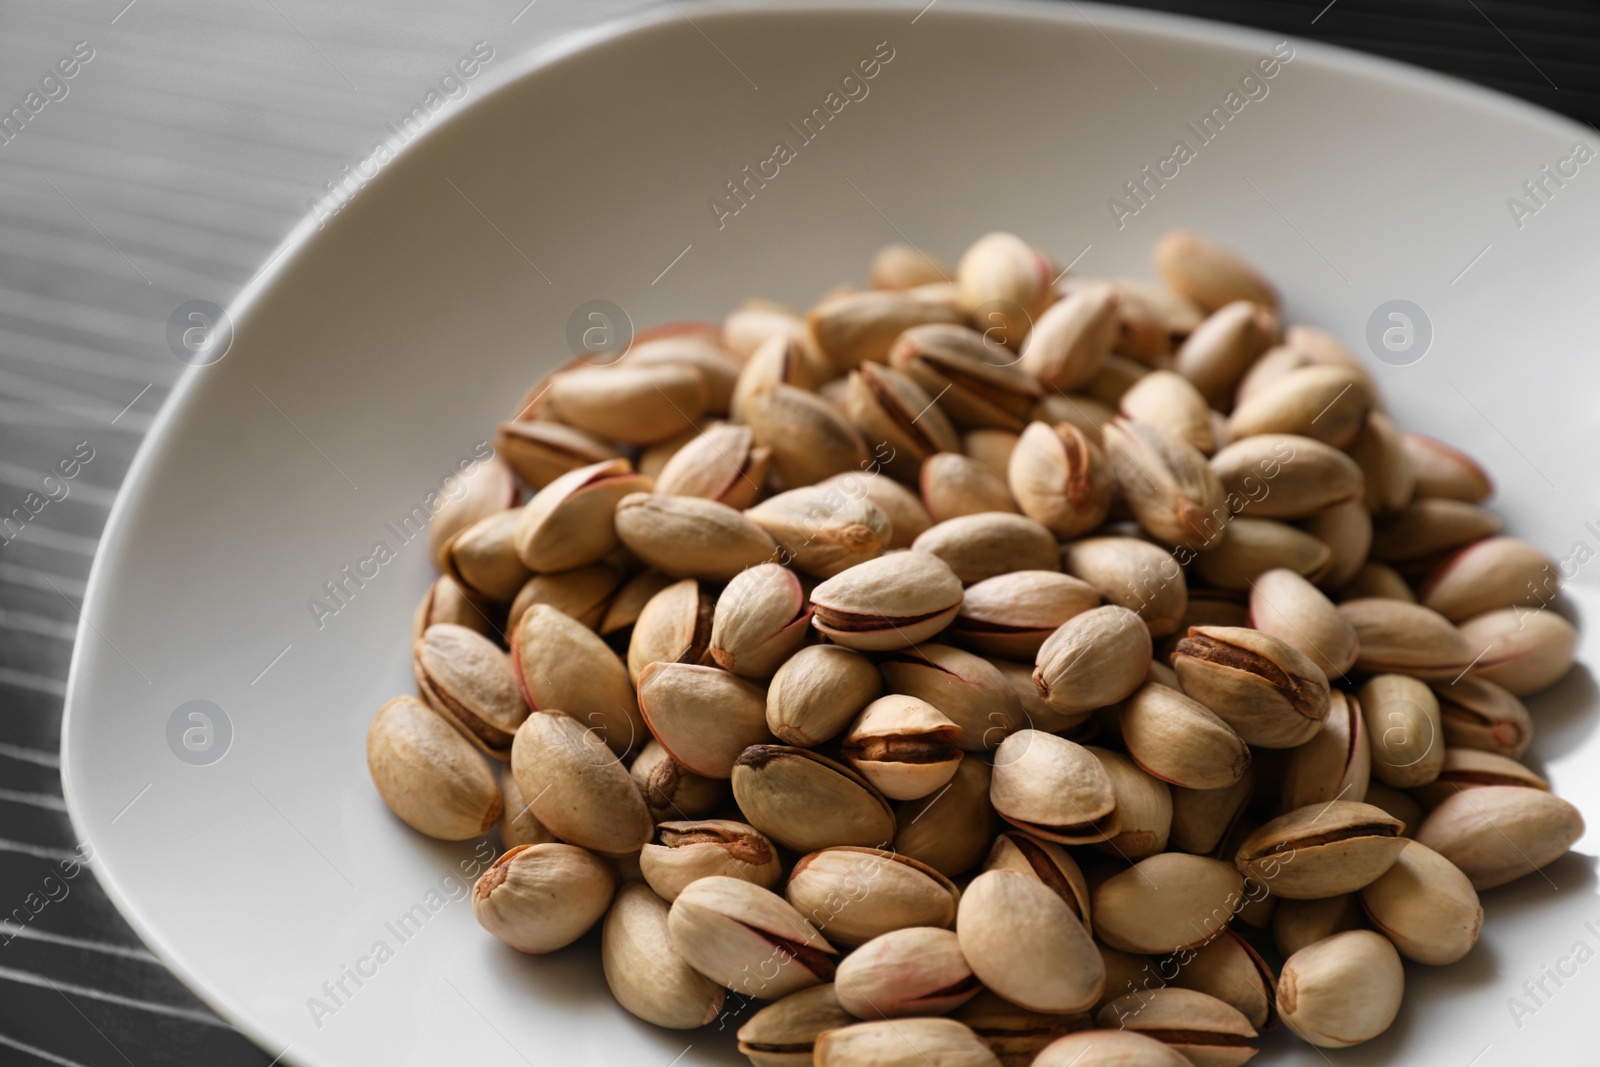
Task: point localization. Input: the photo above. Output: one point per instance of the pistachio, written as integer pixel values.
(1253, 547)
(1402, 718)
(963, 823)
(805, 801)
(645, 973)
(1025, 941)
(1134, 573)
(1006, 283)
(1288, 607)
(1094, 659)
(1335, 763)
(854, 328)
(689, 537)
(917, 970)
(584, 593)
(1088, 412)
(703, 717)
(783, 1033)
(1167, 903)
(467, 679)
(1329, 403)
(887, 603)
(723, 463)
(1167, 399)
(569, 522)
(1407, 638)
(481, 491)
(1053, 788)
(1321, 850)
(482, 558)
(747, 938)
(635, 403)
(904, 1043)
(670, 789)
(540, 452)
(855, 894)
(429, 774)
(1110, 1048)
(562, 665)
(1298, 923)
(786, 356)
(673, 627)
(1070, 341)
(761, 618)
(1144, 808)
(653, 459)
(955, 485)
(1376, 580)
(1230, 970)
(808, 438)
(1272, 695)
(906, 514)
(904, 746)
(1346, 529)
(692, 345)
(1209, 274)
(1497, 572)
(625, 608)
(1048, 862)
(1285, 476)
(817, 692)
(538, 898)
(1221, 349)
(1426, 906)
(1207, 1031)
(1498, 833)
(1445, 473)
(904, 266)
(1035, 712)
(1166, 482)
(579, 789)
(1015, 1034)
(517, 824)
(1428, 528)
(1126, 973)
(1477, 713)
(824, 530)
(966, 689)
(1181, 741)
(1012, 614)
(992, 448)
(1390, 478)
(1343, 990)
(1060, 479)
(445, 601)
(891, 408)
(1201, 818)
(1467, 768)
(756, 321)
(686, 851)
(977, 382)
(1397, 803)
(1523, 651)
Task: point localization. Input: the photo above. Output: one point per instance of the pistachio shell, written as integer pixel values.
(1407, 738)
(1012, 614)
(907, 517)
(1443, 472)
(1429, 527)
(733, 932)
(1167, 903)
(671, 790)
(1343, 990)
(1335, 764)
(1026, 943)
(1094, 659)
(704, 717)
(955, 485)
(686, 851)
(482, 558)
(484, 489)
(1390, 478)
(977, 381)
(783, 1033)
(538, 898)
(569, 523)
(809, 439)
(1053, 788)
(1426, 906)
(1376, 580)
(1169, 400)
(467, 679)
(914, 971)
(1230, 970)
(1346, 529)
(1476, 713)
(445, 601)
(1216, 355)
(723, 463)
(1294, 611)
(689, 537)
(805, 801)
(1209, 274)
(855, 894)
(585, 593)
(540, 452)
(1407, 638)
(1202, 818)
(1298, 923)
(562, 665)
(903, 266)
(889, 602)
(1286, 476)
(1134, 573)
(1523, 651)
(1166, 482)
(630, 600)
(823, 530)
(632, 403)
(1144, 808)
(1497, 572)
(817, 692)
(1180, 740)
(429, 774)
(967, 689)
(517, 823)
(645, 973)
(904, 746)
(1329, 403)
(674, 626)
(1007, 283)
(1499, 833)
(957, 834)
(856, 327)
(1252, 547)
(1321, 850)
(761, 618)
(1069, 342)
(903, 1043)
(1271, 694)
(579, 789)
(989, 543)
(1060, 478)
(1208, 1031)
(1109, 1048)
(892, 410)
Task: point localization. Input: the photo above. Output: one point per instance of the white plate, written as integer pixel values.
(378, 351)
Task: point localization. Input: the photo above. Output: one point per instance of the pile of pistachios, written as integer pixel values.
(989, 666)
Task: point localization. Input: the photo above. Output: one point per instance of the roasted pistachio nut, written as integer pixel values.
(1012, 614)
(853, 328)
(887, 603)
(1272, 695)
(977, 381)
(855, 894)
(1407, 638)
(805, 801)
(1110, 1048)
(954, 484)
(562, 665)
(1321, 850)
(1346, 529)
(1298, 923)
(808, 438)
(1497, 572)
(1443, 472)
(1428, 528)
(1476, 713)
(784, 1033)
(1253, 547)
(445, 601)
(1053, 788)
(966, 689)
(906, 514)
(689, 537)
(724, 463)
(1407, 738)
(817, 692)
(704, 717)
(1167, 903)
(989, 543)
(1093, 660)
(904, 1043)
(1179, 740)
(585, 593)
(1498, 833)
(1328, 403)
(822, 530)
(950, 830)
(685, 851)
(579, 789)
(1284, 476)
(748, 938)
(1343, 990)
(1167, 399)
(1522, 651)
(634, 403)
(1207, 1031)
(540, 452)
(1230, 970)
(570, 521)
(1167, 483)
(643, 970)
(467, 679)
(538, 898)
(671, 790)
(429, 774)
(904, 746)
(517, 824)
(916, 970)
(1202, 818)
(1216, 355)
(1060, 478)
(1209, 274)
(1288, 607)
(891, 408)
(1006, 280)
(1047, 861)
(483, 557)
(674, 626)
(1027, 943)
(761, 618)
(1134, 573)
(1070, 341)
(1144, 808)
(483, 489)
(1426, 906)
(1336, 763)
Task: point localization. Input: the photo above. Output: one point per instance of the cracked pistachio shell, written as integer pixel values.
(950, 830)
(579, 789)
(824, 530)
(1070, 342)
(703, 716)
(784, 1033)
(904, 746)
(562, 665)
(1109, 1048)
(723, 463)
(540, 452)
(1335, 764)
(1495, 573)
(1012, 614)
(688, 537)
(859, 327)
(671, 790)
(1406, 736)
(978, 382)
(645, 973)
(1288, 607)
(1390, 479)
(1298, 923)
(1167, 903)
(1252, 547)
(1027, 943)
(1202, 818)
(954, 484)
(1007, 281)
(517, 824)
(913, 971)
(1498, 833)
(486, 489)
(761, 618)
(1476, 713)
(1427, 528)
(967, 689)
(538, 898)
(1346, 529)
(904, 1043)
(1181, 741)
(989, 543)
(1144, 808)
(1407, 638)
(1053, 788)
(1343, 990)
(1229, 969)
(1326, 402)
(1167, 399)
(674, 626)
(1207, 273)
(1285, 476)
(1443, 472)
(445, 601)
(429, 774)
(1060, 478)
(1217, 355)
(570, 521)
(892, 409)
(636, 403)
(907, 517)
(1522, 651)
(809, 438)
(1048, 862)
(817, 692)
(467, 679)
(483, 558)
(1166, 482)
(685, 851)
(1206, 1030)
(887, 603)
(1272, 695)
(1321, 850)
(1093, 660)
(585, 593)
(1426, 906)
(748, 938)
(1134, 573)
(805, 801)
(855, 894)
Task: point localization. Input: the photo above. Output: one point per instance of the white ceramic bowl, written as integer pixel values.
(377, 353)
